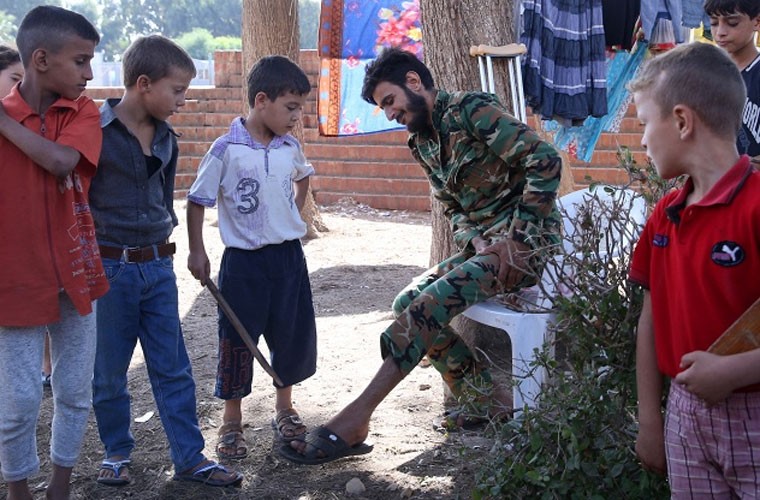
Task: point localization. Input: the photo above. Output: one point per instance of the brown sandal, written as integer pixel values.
(231, 438)
(288, 425)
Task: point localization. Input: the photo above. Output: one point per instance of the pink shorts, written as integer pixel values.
(713, 452)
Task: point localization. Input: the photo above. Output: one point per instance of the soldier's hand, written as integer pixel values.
(513, 261)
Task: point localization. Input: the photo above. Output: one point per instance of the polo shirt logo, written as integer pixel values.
(727, 253)
(660, 240)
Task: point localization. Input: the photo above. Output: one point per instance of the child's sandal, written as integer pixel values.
(288, 425)
(231, 438)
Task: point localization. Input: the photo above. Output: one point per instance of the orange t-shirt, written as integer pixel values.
(48, 234)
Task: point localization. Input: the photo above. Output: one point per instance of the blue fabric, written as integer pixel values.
(269, 291)
(581, 140)
(142, 305)
(563, 71)
(649, 13)
(694, 14)
(351, 35)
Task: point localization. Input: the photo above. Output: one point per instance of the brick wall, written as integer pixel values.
(375, 169)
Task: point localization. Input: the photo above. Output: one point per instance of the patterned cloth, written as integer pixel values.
(712, 450)
(352, 33)
(563, 71)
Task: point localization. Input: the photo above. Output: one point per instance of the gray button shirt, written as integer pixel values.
(130, 208)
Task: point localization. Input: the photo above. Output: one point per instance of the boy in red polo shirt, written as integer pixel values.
(50, 270)
(699, 262)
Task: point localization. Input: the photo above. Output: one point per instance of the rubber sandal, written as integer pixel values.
(288, 421)
(205, 475)
(116, 467)
(231, 436)
(330, 444)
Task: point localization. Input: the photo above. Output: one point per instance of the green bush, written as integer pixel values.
(579, 442)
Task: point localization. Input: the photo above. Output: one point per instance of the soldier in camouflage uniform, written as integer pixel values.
(498, 182)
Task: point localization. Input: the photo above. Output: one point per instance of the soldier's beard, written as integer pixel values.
(418, 109)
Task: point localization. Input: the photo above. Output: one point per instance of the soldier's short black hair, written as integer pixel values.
(392, 65)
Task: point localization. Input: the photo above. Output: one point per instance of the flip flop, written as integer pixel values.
(330, 444)
(114, 466)
(205, 475)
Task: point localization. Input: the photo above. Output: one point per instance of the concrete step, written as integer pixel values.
(200, 133)
(368, 169)
(396, 138)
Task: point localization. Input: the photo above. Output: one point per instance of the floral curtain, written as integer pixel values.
(352, 33)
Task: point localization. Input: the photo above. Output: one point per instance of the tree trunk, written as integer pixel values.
(450, 27)
(271, 27)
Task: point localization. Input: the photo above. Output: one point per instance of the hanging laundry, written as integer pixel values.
(653, 11)
(564, 71)
(620, 18)
(580, 141)
(351, 35)
(694, 14)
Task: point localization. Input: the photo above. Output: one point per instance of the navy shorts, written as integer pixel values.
(269, 291)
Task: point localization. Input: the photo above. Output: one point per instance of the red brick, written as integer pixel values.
(606, 175)
(364, 169)
(352, 152)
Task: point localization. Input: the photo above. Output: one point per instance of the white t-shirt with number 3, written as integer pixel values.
(253, 187)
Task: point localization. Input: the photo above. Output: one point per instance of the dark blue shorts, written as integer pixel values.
(269, 291)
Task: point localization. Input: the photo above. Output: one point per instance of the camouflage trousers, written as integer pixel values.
(424, 310)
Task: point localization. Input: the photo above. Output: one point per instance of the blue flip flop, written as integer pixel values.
(205, 475)
(322, 439)
(115, 466)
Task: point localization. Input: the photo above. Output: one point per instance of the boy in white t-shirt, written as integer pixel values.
(259, 176)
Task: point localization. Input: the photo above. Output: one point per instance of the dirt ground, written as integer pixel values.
(356, 270)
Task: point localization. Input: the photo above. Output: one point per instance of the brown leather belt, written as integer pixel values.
(138, 254)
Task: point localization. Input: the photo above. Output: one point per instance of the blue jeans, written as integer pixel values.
(142, 305)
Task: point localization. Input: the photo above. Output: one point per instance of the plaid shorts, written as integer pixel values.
(713, 451)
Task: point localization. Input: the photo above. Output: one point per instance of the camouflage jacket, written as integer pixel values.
(495, 176)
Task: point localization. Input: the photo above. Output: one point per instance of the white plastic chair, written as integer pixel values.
(512, 53)
(529, 329)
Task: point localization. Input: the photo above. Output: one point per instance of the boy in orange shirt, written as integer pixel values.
(50, 270)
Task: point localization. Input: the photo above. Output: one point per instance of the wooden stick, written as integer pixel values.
(227, 310)
(743, 335)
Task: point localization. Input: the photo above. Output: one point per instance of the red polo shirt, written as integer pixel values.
(48, 235)
(701, 263)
